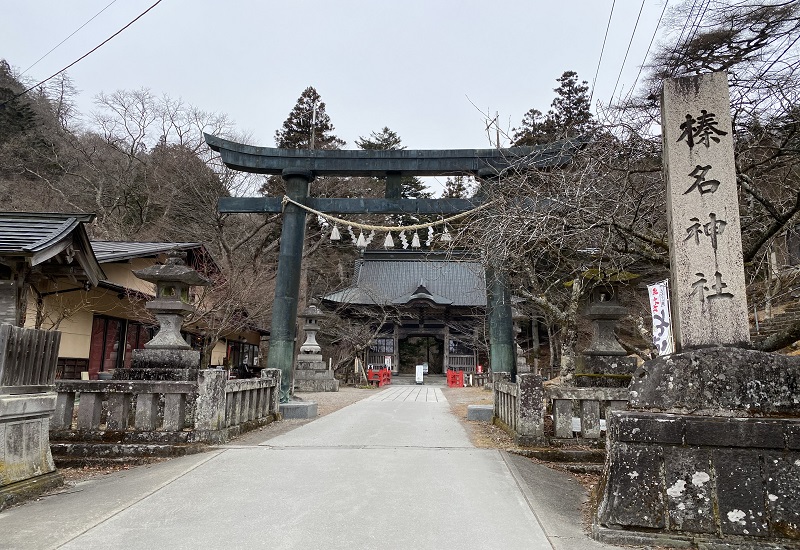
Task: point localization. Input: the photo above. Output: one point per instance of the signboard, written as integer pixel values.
(662, 320)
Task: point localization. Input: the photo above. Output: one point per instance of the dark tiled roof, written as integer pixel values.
(27, 232)
(42, 236)
(119, 251)
(397, 280)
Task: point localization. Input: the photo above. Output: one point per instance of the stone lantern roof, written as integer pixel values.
(174, 271)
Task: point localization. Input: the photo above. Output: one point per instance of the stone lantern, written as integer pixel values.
(312, 315)
(167, 356)
(604, 362)
(604, 311)
(311, 373)
(522, 366)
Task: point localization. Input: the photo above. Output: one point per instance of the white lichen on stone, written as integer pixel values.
(737, 516)
(677, 490)
(700, 478)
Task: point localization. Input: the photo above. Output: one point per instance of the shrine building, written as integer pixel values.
(436, 306)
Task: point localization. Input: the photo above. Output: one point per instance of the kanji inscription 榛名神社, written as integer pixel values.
(707, 272)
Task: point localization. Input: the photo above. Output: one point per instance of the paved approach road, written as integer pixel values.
(396, 470)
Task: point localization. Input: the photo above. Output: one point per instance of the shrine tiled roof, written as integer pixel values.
(33, 232)
(384, 278)
(41, 237)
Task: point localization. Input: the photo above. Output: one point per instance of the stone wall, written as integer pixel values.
(709, 455)
(714, 476)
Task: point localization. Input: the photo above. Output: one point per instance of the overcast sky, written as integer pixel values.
(414, 66)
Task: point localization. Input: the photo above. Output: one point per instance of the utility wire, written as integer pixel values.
(624, 59)
(680, 36)
(608, 26)
(696, 25)
(67, 38)
(84, 56)
(649, 46)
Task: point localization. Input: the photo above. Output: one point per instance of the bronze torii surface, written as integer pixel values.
(299, 167)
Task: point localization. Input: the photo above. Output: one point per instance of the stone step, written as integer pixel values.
(71, 453)
(565, 455)
(316, 385)
(313, 375)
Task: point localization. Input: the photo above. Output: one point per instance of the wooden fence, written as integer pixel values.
(28, 357)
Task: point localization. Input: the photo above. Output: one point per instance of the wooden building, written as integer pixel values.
(435, 304)
(54, 278)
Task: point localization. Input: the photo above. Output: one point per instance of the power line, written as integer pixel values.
(696, 25)
(635, 26)
(67, 38)
(608, 26)
(680, 36)
(649, 46)
(84, 56)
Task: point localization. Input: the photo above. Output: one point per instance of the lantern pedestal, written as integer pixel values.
(311, 373)
(173, 365)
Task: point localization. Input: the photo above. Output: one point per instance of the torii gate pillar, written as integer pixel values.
(283, 331)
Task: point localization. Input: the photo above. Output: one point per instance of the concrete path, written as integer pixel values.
(395, 470)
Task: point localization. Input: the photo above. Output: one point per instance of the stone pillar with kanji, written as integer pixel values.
(708, 287)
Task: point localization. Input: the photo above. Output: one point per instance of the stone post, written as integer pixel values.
(287, 282)
(530, 402)
(708, 288)
(209, 409)
(707, 453)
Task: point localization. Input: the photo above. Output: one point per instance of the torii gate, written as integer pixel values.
(299, 167)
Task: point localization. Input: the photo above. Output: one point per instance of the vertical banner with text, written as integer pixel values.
(662, 320)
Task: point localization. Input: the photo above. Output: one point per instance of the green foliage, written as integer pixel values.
(569, 116)
(385, 140)
(456, 188)
(411, 187)
(308, 125)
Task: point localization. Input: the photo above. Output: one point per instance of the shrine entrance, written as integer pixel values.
(416, 350)
(299, 168)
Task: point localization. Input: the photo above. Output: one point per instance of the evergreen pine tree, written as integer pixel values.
(307, 114)
(455, 188)
(569, 116)
(385, 140)
(411, 187)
